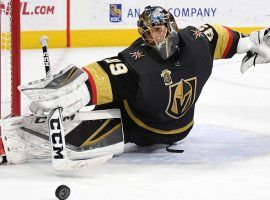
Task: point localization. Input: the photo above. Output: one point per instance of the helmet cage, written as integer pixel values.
(155, 36)
(153, 17)
(156, 17)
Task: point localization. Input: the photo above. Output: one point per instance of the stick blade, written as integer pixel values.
(69, 165)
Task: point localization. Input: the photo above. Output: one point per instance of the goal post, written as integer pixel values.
(10, 58)
(10, 65)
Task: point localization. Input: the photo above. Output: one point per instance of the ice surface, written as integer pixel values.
(206, 144)
(227, 154)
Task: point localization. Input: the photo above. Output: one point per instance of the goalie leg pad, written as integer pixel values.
(88, 135)
(13, 140)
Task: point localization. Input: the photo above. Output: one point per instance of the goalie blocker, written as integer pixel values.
(88, 135)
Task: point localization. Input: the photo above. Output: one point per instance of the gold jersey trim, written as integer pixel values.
(89, 141)
(223, 39)
(155, 130)
(102, 83)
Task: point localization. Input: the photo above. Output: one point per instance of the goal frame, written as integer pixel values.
(15, 59)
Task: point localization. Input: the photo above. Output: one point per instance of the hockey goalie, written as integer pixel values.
(155, 83)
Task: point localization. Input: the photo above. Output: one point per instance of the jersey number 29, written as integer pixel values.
(116, 66)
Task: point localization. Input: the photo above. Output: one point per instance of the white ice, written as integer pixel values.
(226, 156)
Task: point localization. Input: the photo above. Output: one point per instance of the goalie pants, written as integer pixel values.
(138, 135)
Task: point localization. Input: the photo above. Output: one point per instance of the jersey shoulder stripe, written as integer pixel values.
(223, 40)
(100, 84)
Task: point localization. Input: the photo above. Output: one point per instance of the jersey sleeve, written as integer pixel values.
(110, 80)
(223, 40)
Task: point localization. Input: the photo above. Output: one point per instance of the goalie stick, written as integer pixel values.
(44, 44)
(60, 160)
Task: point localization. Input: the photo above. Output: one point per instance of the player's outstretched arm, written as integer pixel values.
(222, 40)
(225, 42)
(73, 88)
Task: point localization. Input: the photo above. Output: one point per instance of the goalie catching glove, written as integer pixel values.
(257, 47)
(67, 89)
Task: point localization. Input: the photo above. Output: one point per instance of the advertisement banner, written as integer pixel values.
(39, 14)
(123, 14)
(101, 23)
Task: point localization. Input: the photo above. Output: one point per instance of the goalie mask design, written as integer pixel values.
(158, 29)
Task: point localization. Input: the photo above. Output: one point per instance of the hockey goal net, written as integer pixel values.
(10, 59)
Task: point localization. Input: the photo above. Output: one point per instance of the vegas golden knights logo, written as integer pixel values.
(182, 97)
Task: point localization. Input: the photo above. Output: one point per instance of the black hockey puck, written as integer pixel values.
(62, 192)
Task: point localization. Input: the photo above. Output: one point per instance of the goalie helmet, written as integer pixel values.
(158, 19)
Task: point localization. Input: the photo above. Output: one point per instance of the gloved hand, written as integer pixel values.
(67, 89)
(257, 47)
